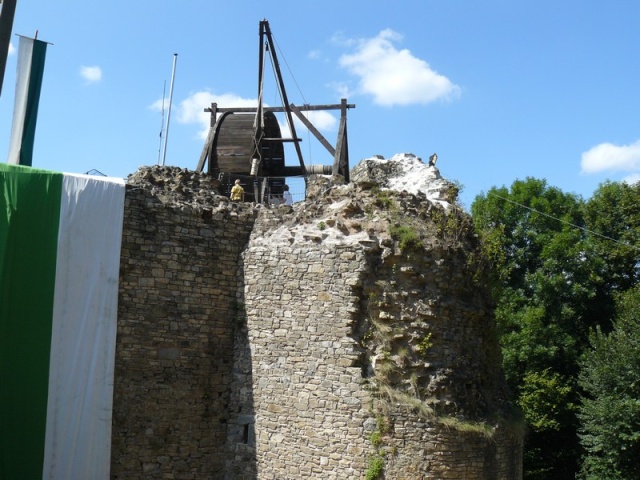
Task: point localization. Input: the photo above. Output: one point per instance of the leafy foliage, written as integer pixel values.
(558, 264)
(425, 344)
(376, 467)
(544, 284)
(610, 409)
(407, 236)
(384, 199)
(613, 212)
(544, 398)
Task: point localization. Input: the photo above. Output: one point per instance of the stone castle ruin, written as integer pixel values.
(347, 336)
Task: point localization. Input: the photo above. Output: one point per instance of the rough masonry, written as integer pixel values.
(348, 336)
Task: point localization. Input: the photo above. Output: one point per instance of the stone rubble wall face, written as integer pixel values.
(430, 451)
(309, 401)
(427, 294)
(239, 356)
(314, 414)
(178, 283)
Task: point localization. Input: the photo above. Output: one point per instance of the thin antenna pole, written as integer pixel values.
(166, 132)
(164, 93)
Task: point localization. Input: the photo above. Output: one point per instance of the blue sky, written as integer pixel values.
(500, 89)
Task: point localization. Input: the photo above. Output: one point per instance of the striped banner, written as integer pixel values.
(60, 239)
(31, 55)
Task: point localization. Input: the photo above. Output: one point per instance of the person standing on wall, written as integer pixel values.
(287, 199)
(237, 192)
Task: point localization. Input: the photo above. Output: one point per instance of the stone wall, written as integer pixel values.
(319, 341)
(364, 351)
(174, 354)
(308, 396)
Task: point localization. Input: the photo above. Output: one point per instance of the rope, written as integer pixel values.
(304, 100)
(256, 140)
(289, 69)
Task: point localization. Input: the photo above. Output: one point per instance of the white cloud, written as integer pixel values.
(609, 157)
(395, 77)
(12, 49)
(191, 111)
(157, 106)
(341, 88)
(91, 74)
(632, 179)
(340, 39)
(320, 119)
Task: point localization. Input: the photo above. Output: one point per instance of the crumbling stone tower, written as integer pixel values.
(344, 337)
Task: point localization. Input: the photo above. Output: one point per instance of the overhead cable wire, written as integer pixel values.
(273, 66)
(304, 100)
(290, 72)
(566, 222)
(259, 118)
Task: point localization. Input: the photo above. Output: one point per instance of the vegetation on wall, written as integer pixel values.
(375, 466)
(414, 225)
(407, 237)
(402, 350)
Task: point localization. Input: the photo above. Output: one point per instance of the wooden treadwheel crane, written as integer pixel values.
(246, 142)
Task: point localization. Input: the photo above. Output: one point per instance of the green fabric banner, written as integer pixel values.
(60, 240)
(29, 219)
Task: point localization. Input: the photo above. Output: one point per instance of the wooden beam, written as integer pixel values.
(214, 114)
(258, 132)
(312, 129)
(276, 65)
(338, 153)
(302, 108)
(344, 156)
(341, 157)
(282, 139)
(206, 150)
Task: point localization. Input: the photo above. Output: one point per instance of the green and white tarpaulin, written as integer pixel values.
(31, 56)
(60, 238)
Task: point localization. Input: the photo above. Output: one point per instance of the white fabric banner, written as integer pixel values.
(79, 409)
(23, 74)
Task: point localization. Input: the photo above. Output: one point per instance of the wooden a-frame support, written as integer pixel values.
(340, 153)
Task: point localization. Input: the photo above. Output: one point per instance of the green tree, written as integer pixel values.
(610, 408)
(558, 264)
(613, 212)
(545, 284)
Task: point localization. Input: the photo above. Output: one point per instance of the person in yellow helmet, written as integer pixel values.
(237, 192)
